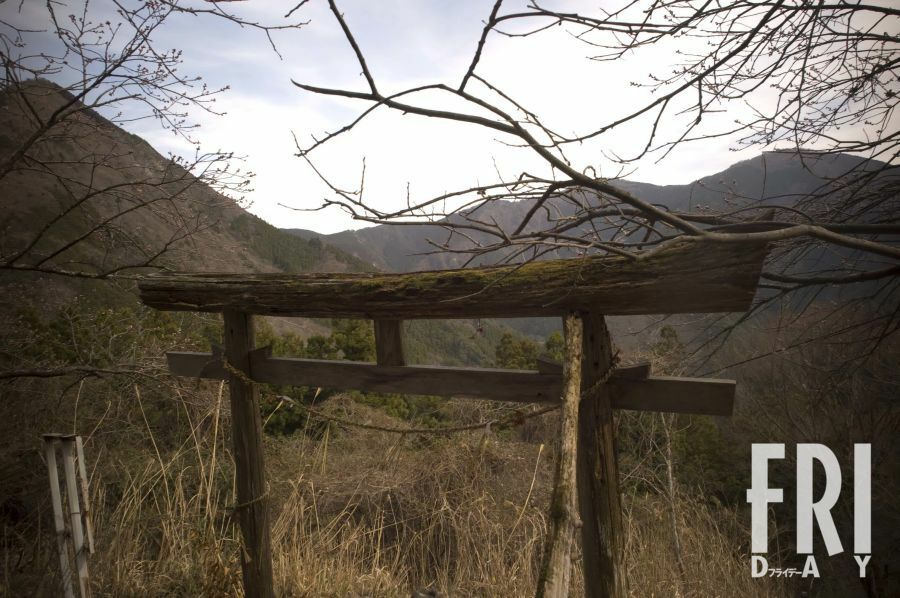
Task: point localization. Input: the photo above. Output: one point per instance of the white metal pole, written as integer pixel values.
(58, 518)
(85, 493)
(81, 558)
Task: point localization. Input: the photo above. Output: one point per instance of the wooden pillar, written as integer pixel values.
(389, 342)
(58, 516)
(602, 534)
(81, 557)
(556, 566)
(246, 425)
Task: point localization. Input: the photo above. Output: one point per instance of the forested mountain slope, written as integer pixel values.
(89, 197)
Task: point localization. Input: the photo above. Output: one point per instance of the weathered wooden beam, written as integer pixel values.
(389, 342)
(637, 371)
(698, 396)
(197, 365)
(684, 277)
(701, 396)
(501, 385)
(556, 563)
(599, 501)
(252, 505)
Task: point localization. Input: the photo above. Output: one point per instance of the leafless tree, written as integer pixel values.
(63, 83)
(82, 198)
(817, 75)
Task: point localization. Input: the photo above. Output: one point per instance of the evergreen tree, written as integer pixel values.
(516, 354)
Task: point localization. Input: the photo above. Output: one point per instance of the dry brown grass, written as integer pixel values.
(359, 513)
(714, 566)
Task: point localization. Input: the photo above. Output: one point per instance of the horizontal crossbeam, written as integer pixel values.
(684, 277)
(630, 389)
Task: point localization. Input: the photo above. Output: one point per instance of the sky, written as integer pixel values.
(407, 43)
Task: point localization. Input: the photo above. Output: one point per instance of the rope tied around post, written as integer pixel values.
(516, 418)
(261, 497)
(236, 372)
(601, 382)
(243, 505)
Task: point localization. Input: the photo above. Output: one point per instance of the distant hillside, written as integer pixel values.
(776, 178)
(88, 171)
(90, 153)
(779, 178)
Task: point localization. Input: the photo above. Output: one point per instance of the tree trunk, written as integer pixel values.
(602, 536)
(556, 567)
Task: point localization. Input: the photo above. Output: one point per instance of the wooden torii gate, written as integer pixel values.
(683, 277)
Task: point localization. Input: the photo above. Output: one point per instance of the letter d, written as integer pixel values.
(759, 566)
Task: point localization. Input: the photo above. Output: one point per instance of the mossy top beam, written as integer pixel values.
(684, 277)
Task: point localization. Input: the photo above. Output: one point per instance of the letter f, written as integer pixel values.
(760, 495)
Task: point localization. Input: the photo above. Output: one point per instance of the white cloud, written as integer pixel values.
(409, 43)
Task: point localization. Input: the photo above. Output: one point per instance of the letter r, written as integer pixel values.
(820, 510)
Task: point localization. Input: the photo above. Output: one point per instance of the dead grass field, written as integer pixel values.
(361, 513)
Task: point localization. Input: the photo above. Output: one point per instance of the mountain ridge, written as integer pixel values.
(89, 196)
(775, 177)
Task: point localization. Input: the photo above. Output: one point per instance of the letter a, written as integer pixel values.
(810, 568)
